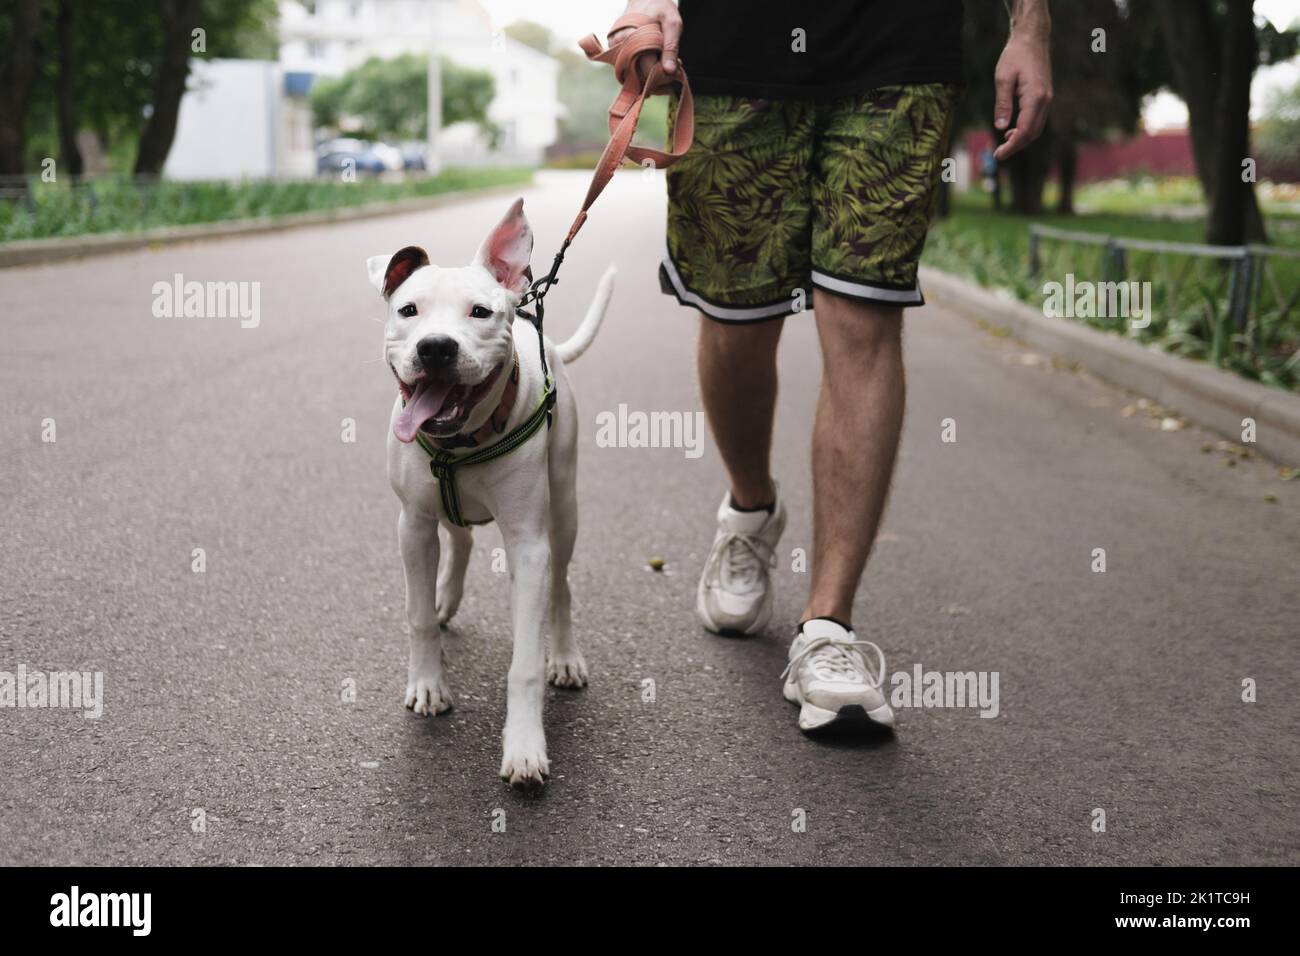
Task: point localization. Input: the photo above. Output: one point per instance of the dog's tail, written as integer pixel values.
(577, 343)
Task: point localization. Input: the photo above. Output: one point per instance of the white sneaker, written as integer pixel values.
(735, 594)
(829, 678)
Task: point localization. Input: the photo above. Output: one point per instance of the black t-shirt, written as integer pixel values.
(753, 48)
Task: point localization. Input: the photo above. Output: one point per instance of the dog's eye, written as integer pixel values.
(407, 310)
(480, 312)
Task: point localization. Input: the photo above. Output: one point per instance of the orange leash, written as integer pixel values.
(646, 37)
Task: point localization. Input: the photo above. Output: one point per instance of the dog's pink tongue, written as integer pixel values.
(423, 405)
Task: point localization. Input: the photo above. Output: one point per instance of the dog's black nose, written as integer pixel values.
(437, 352)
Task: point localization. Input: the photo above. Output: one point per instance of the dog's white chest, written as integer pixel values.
(411, 474)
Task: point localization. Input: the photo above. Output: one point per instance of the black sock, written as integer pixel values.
(769, 508)
(846, 626)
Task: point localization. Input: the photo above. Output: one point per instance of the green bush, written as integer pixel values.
(126, 205)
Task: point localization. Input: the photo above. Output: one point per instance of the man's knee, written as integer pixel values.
(739, 342)
(856, 329)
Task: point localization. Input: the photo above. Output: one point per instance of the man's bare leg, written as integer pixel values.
(737, 368)
(855, 439)
(737, 365)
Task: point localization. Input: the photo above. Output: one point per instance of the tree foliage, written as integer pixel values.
(108, 61)
(388, 99)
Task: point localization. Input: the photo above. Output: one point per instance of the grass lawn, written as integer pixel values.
(1189, 312)
(122, 205)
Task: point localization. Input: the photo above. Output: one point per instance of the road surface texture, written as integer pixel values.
(228, 735)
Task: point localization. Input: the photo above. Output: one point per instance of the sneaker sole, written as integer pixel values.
(760, 622)
(851, 718)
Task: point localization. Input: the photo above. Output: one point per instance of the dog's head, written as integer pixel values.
(448, 335)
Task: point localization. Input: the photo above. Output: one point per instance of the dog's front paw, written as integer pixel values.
(428, 696)
(524, 763)
(567, 671)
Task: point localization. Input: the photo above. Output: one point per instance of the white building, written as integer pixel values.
(247, 118)
(330, 37)
(230, 124)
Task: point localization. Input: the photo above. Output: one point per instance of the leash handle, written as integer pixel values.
(625, 111)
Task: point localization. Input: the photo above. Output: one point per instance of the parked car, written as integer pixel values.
(333, 156)
(390, 156)
(413, 155)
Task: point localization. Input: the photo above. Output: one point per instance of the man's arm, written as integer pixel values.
(1024, 76)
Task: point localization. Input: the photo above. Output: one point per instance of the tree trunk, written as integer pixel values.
(1067, 166)
(179, 18)
(1231, 221)
(1193, 57)
(1028, 171)
(18, 66)
(69, 152)
(943, 201)
(1214, 79)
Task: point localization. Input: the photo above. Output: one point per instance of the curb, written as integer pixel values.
(1214, 398)
(41, 251)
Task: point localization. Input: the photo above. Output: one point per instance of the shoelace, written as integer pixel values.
(839, 657)
(744, 556)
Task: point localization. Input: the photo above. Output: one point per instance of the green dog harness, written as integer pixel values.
(444, 464)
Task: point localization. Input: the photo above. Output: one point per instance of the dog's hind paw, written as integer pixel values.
(446, 604)
(569, 671)
(427, 698)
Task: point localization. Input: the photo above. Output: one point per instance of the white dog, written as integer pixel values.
(473, 384)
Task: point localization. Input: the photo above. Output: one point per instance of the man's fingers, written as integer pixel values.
(1016, 140)
(671, 24)
(1006, 87)
(1029, 124)
(1033, 112)
(1044, 106)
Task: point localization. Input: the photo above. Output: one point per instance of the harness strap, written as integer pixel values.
(444, 464)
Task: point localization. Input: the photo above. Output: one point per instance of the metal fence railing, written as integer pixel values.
(1247, 279)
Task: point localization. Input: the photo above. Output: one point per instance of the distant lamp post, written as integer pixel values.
(432, 162)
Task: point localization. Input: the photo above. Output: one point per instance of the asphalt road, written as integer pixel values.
(223, 690)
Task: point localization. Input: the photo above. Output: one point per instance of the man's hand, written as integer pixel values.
(1024, 76)
(670, 22)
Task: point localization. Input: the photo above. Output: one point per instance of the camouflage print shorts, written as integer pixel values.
(778, 197)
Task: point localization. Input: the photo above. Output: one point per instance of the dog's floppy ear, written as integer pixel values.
(387, 273)
(507, 249)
